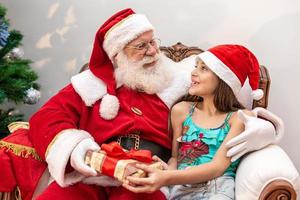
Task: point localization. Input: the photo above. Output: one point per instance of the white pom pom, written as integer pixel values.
(257, 94)
(109, 107)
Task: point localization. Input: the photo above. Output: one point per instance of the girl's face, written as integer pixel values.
(204, 81)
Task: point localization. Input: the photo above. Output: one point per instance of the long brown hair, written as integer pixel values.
(225, 100)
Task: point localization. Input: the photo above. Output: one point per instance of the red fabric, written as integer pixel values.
(67, 110)
(241, 61)
(19, 171)
(82, 192)
(100, 64)
(78, 191)
(59, 113)
(6, 172)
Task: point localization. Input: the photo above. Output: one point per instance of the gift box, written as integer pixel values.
(112, 160)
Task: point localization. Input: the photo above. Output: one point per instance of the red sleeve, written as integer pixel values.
(61, 112)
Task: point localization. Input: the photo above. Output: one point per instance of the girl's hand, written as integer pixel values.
(157, 159)
(154, 181)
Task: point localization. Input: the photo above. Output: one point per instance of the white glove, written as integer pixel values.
(258, 134)
(102, 180)
(78, 156)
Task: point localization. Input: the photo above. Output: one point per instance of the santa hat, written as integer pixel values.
(111, 38)
(233, 64)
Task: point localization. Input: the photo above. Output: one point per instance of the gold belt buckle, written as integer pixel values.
(134, 136)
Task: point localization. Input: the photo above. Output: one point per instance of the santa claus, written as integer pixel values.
(125, 96)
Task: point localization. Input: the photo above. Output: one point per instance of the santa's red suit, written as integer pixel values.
(67, 115)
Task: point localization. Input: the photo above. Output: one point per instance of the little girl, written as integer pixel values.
(199, 168)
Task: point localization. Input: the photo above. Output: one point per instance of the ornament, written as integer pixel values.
(16, 53)
(4, 34)
(32, 96)
(14, 113)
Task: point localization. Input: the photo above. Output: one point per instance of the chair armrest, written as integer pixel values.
(260, 169)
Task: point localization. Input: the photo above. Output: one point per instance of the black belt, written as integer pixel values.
(133, 141)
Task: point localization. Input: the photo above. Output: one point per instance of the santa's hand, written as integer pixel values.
(78, 156)
(102, 180)
(258, 134)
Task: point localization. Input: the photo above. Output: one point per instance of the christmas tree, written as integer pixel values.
(17, 79)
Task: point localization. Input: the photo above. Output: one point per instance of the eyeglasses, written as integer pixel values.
(143, 47)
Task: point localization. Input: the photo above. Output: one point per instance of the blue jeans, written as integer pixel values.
(221, 188)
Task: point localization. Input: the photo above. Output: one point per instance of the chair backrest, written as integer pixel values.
(178, 52)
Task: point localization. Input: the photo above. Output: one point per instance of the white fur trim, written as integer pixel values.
(221, 70)
(166, 191)
(276, 121)
(245, 97)
(109, 107)
(180, 83)
(59, 153)
(89, 87)
(124, 32)
(257, 94)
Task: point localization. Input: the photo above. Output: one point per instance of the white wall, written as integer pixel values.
(58, 37)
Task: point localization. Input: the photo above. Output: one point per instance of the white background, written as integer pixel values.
(58, 37)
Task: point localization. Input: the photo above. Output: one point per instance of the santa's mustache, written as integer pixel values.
(148, 60)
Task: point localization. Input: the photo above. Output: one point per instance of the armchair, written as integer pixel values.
(265, 174)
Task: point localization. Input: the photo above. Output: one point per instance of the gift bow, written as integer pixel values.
(114, 149)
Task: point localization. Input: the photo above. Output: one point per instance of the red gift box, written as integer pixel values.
(116, 162)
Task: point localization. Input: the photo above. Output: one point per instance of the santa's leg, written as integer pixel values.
(117, 193)
(79, 191)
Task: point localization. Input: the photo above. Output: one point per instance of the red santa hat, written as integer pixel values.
(110, 39)
(233, 64)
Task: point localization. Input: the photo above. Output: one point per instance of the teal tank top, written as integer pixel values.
(199, 145)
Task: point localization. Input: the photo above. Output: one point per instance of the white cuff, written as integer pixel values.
(59, 153)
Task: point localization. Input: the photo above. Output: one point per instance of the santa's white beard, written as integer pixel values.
(132, 74)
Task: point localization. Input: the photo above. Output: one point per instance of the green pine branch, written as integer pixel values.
(3, 14)
(14, 40)
(16, 78)
(6, 118)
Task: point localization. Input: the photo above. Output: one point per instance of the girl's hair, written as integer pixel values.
(225, 100)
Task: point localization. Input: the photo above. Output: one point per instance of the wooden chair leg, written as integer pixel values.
(7, 196)
(278, 189)
(14, 195)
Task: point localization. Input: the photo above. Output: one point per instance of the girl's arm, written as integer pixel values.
(178, 114)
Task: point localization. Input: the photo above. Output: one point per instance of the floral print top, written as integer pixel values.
(199, 145)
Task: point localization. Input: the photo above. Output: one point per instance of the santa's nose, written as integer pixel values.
(151, 51)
